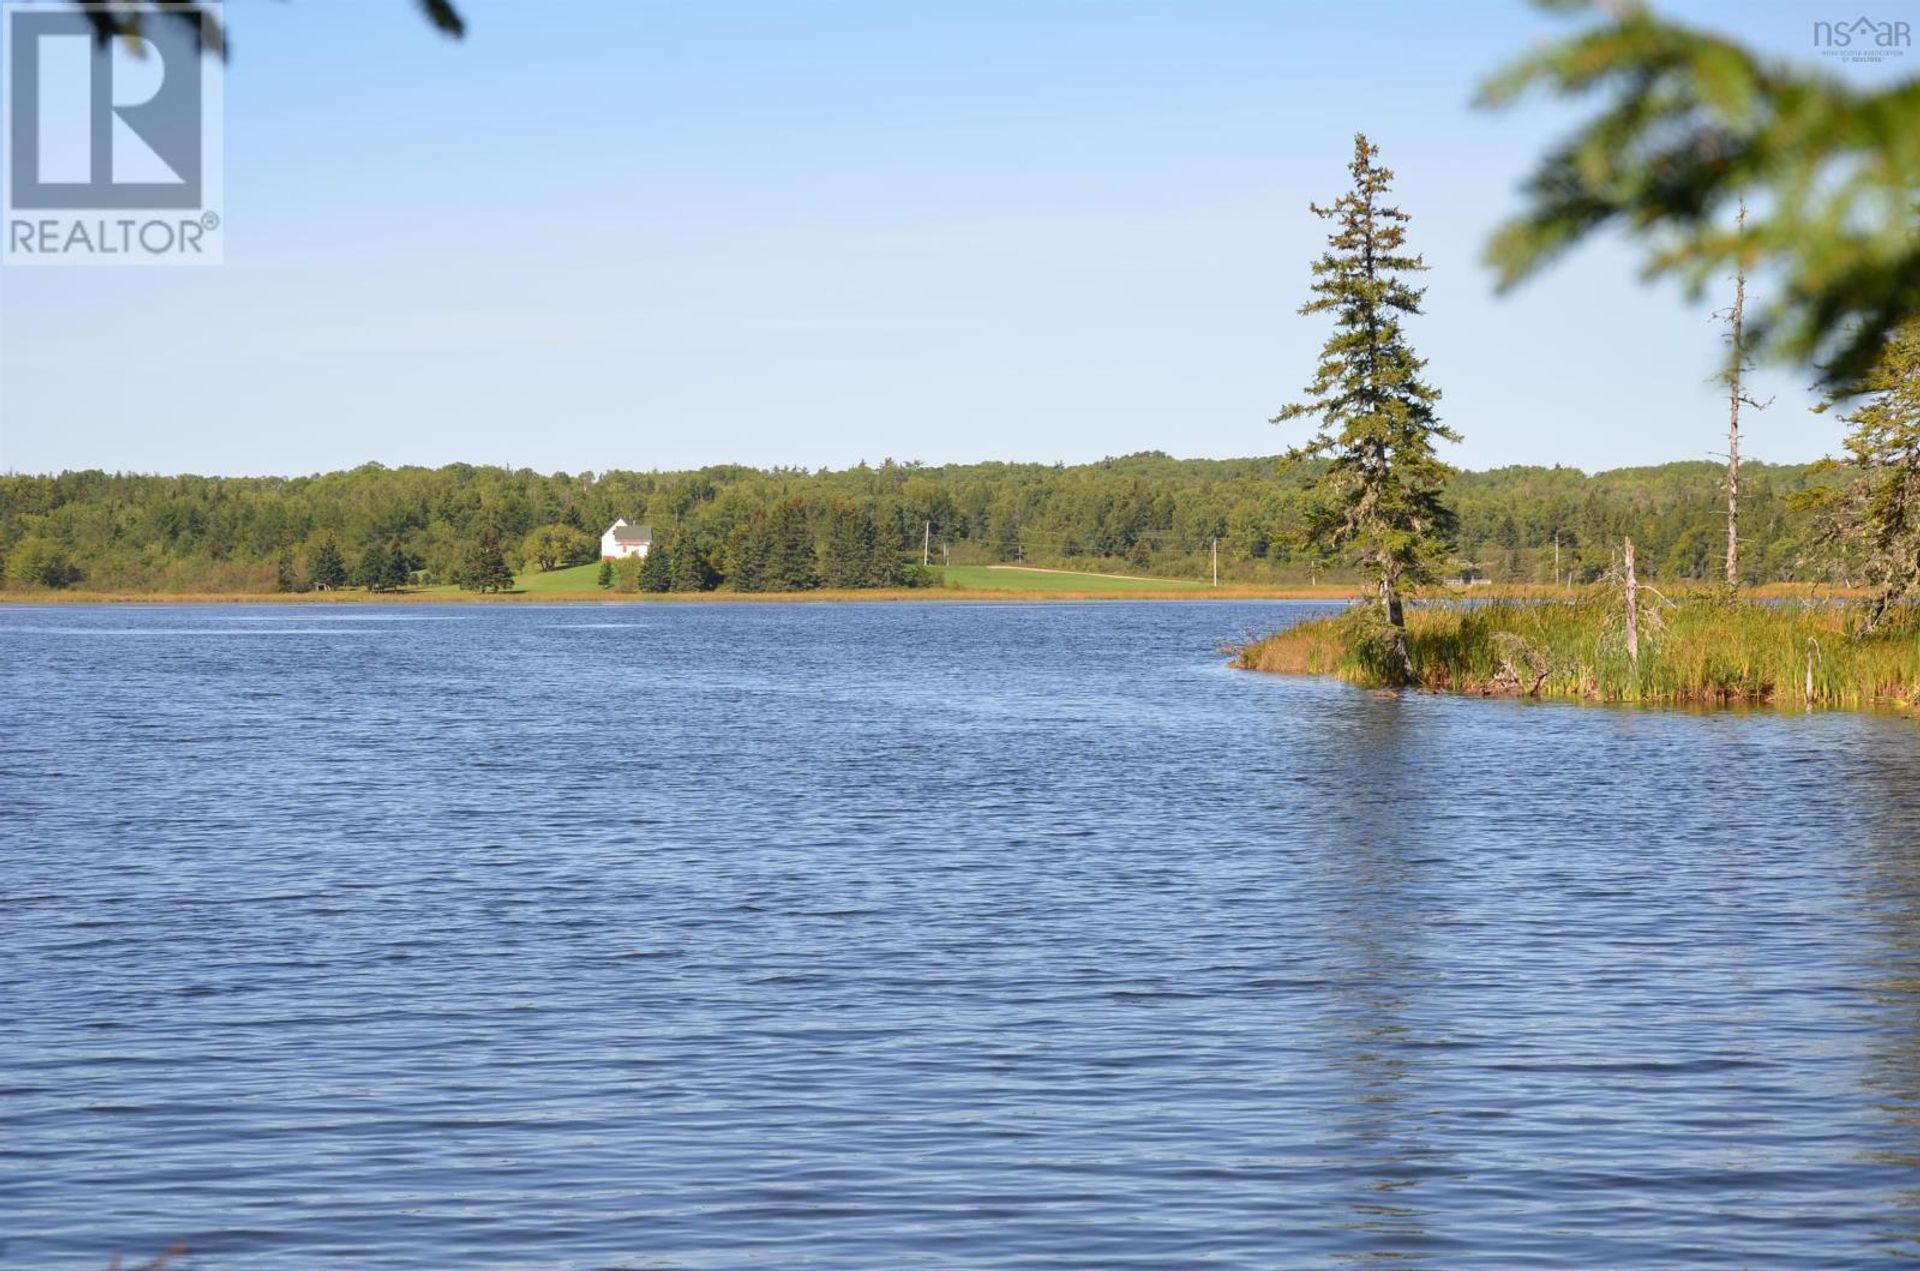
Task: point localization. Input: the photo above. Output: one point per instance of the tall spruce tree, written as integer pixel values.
(371, 572)
(326, 568)
(688, 568)
(1379, 499)
(1871, 518)
(850, 547)
(485, 567)
(285, 576)
(399, 565)
(656, 568)
(749, 549)
(792, 559)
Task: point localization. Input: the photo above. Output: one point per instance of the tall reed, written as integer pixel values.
(1697, 650)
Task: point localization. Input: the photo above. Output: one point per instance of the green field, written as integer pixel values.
(987, 577)
(581, 579)
(575, 580)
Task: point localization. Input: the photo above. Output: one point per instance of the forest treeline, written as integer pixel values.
(756, 529)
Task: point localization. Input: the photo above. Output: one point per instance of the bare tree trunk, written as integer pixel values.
(1734, 367)
(1633, 608)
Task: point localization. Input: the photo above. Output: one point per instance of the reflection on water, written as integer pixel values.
(901, 935)
(1368, 881)
(1888, 902)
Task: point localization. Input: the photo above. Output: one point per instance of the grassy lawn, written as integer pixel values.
(579, 578)
(582, 579)
(972, 577)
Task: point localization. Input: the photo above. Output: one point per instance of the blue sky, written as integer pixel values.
(642, 234)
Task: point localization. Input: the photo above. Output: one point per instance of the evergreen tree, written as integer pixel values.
(656, 571)
(1872, 520)
(749, 551)
(792, 560)
(485, 568)
(371, 572)
(399, 566)
(326, 569)
(1379, 498)
(688, 568)
(885, 568)
(606, 574)
(285, 577)
(849, 552)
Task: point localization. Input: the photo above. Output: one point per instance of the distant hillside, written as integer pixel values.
(1142, 513)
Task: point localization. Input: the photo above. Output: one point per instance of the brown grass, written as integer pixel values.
(1700, 652)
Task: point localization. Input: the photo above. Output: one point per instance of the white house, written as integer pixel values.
(622, 539)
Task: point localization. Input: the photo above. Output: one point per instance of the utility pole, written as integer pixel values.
(926, 544)
(1216, 560)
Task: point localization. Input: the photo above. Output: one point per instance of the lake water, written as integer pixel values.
(908, 935)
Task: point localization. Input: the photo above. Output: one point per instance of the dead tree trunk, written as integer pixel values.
(1633, 608)
(1735, 361)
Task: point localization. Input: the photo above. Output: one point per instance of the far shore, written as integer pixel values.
(449, 595)
(1331, 593)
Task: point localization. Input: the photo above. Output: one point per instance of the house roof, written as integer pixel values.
(631, 533)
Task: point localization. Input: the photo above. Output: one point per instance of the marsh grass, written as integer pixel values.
(1701, 651)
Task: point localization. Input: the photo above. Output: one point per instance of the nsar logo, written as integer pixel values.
(1863, 39)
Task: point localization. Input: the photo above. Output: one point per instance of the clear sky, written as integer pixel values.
(666, 233)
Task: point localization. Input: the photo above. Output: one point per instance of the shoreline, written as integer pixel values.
(1330, 594)
(1700, 653)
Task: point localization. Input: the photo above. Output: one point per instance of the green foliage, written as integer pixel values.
(656, 569)
(1380, 498)
(1691, 122)
(285, 577)
(1870, 519)
(626, 574)
(38, 562)
(384, 567)
(605, 578)
(1704, 651)
(186, 533)
(773, 550)
(688, 568)
(1375, 646)
(857, 553)
(557, 546)
(326, 568)
(485, 567)
(792, 561)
